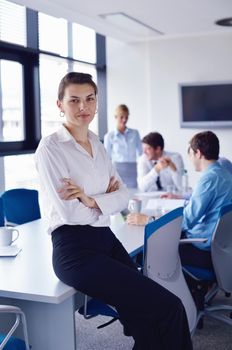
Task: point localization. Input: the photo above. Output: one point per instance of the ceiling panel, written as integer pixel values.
(168, 17)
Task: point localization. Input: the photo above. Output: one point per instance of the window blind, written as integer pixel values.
(12, 23)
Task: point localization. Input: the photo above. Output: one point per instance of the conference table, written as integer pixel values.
(28, 281)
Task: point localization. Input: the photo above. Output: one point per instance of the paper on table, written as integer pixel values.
(154, 194)
(168, 204)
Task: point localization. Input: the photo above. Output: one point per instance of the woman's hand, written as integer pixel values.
(113, 185)
(69, 190)
(137, 219)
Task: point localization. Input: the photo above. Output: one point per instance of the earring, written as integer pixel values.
(61, 114)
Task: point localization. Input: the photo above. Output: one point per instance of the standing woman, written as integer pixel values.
(124, 146)
(80, 188)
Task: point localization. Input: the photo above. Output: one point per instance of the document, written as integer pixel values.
(154, 194)
(167, 204)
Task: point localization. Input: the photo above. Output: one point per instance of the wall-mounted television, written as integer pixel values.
(206, 105)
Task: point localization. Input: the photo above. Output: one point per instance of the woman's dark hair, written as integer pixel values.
(75, 78)
(154, 139)
(207, 142)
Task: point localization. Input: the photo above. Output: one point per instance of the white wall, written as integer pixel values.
(127, 79)
(162, 65)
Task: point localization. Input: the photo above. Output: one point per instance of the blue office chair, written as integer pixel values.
(93, 307)
(8, 341)
(162, 262)
(205, 284)
(2, 218)
(21, 205)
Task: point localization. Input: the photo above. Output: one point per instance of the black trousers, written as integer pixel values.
(93, 261)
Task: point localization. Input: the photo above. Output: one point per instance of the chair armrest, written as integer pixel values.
(10, 309)
(192, 240)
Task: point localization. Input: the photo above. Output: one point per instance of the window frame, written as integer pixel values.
(31, 100)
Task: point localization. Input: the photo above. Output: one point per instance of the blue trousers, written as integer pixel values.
(93, 261)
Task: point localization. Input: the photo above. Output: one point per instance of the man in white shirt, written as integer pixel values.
(158, 169)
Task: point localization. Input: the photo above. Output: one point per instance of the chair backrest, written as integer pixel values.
(162, 262)
(221, 248)
(2, 218)
(21, 205)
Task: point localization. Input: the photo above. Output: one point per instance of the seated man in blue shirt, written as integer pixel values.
(213, 190)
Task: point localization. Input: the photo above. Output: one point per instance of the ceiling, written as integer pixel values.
(167, 18)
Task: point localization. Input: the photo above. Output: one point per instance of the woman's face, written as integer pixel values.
(121, 118)
(79, 104)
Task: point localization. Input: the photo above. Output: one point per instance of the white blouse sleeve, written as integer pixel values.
(147, 177)
(114, 202)
(52, 168)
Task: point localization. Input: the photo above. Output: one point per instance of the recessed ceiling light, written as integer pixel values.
(226, 22)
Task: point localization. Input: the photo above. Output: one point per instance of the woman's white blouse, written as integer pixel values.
(58, 156)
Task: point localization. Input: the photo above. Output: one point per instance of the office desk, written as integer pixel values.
(28, 281)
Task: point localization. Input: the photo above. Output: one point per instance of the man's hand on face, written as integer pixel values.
(163, 163)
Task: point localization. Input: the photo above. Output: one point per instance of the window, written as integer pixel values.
(16, 14)
(53, 36)
(52, 70)
(84, 43)
(20, 171)
(11, 102)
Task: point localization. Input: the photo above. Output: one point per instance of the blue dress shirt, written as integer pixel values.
(213, 190)
(123, 147)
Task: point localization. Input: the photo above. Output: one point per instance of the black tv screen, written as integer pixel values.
(206, 105)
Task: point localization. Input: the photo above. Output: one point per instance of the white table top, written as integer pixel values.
(30, 274)
(132, 237)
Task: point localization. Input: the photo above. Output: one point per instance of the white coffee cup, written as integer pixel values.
(135, 205)
(6, 235)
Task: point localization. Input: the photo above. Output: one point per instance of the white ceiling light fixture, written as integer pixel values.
(130, 24)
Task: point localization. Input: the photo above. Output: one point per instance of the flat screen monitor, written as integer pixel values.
(206, 105)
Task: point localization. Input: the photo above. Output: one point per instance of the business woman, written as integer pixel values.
(123, 146)
(80, 189)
